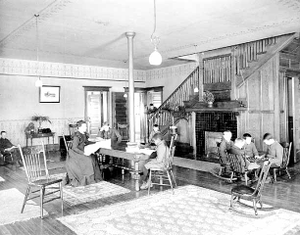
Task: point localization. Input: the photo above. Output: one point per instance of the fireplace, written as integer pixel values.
(212, 139)
(209, 126)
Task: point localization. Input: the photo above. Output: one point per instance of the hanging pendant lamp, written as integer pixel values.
(155, 58)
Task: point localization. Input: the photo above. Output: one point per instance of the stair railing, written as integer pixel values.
(248, 52)
(182, 93)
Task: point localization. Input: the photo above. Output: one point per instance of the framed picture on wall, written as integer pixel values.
(49, 94)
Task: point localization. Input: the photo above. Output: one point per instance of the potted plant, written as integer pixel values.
(29, 130)
(40, 119)
(209, 98)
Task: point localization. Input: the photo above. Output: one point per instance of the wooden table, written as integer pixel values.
(135, 158)
(39, 136)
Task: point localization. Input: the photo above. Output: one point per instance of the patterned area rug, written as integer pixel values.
(1, 179)
(191, 210)
(11, 204)
(92, 192)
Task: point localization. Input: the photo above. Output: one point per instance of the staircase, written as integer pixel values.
(220, 74)
(173, 106)
(249, 57)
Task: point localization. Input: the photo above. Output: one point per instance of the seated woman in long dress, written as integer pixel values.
(82, 169)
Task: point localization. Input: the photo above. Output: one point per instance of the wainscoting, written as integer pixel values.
(15, 129)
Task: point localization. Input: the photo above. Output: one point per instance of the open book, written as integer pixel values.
(146, 151)
(13, 147)
(92, 148)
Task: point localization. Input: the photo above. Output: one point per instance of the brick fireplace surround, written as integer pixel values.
(213, 122)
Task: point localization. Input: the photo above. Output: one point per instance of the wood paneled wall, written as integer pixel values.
(264, 94)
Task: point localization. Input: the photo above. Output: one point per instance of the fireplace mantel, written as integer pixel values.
(234, 106)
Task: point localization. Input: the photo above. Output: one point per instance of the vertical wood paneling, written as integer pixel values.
(217, 69)
(283, 106)
(268, 123)
(254, 120)
(296, 119)
(267, 87)
(253, 94)
(261, 90)
(274, 71)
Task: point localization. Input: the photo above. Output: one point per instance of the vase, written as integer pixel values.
(210, 104)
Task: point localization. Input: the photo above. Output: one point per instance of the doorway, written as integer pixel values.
(293, 116)
(96, 108)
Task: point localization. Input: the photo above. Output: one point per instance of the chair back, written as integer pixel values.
(67, 144)
(170, 156)
(235, 161)
(262, 178)
(123, 130)
(287, 148)
(35, 165)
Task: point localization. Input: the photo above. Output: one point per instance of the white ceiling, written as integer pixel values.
(91, 32)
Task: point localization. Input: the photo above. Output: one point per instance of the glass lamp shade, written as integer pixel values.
(38, 83)
(155, 58)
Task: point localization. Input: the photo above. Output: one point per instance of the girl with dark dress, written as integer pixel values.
(81, 169)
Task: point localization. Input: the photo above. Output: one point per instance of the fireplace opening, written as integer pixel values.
(209, 129)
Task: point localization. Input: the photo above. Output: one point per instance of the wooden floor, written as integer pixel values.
(283, 194)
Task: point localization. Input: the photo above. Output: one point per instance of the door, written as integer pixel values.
(96, 108)
(294, 118)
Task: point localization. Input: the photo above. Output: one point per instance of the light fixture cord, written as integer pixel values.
(154, 39)
(37, 42)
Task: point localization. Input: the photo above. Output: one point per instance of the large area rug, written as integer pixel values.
(191, 210)
(88, 193)
(11, 204)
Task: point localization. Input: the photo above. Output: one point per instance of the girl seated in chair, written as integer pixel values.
(162, 151)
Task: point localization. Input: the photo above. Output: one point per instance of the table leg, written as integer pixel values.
(136, 176)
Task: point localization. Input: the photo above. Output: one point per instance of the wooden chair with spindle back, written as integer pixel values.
(253, 194)
(165, 173)
(38, 178)
(287, 148)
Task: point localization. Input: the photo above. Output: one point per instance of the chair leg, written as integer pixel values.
(161, 180)
(173, 176)
(221, 170)
(255, 175)
(246, 178)
(149, 182)
(231, 177)
(28, 189)
(61, 197)
(275, 174)
(170, 180)
(254, 207)
(260, 203)
(231, 201)
(42, 191)
(288, 173)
